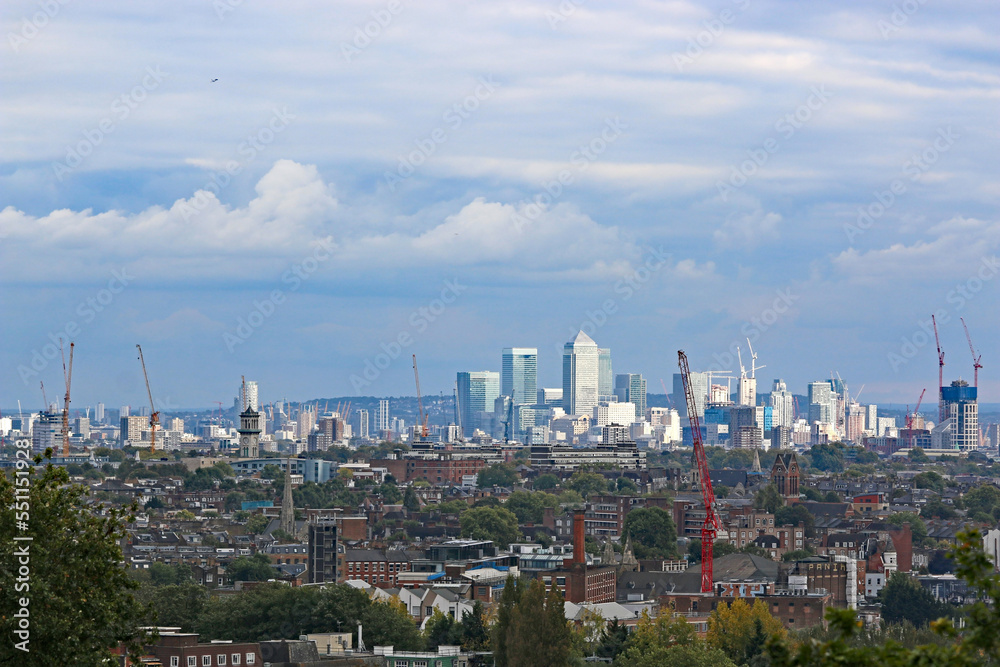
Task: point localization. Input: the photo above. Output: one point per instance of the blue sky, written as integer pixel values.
(451, 180)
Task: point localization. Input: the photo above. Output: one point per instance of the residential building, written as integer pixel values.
(322, 552)
(782, 404)
(961, 407)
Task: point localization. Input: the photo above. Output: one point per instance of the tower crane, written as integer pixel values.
(710, 528)
(420, 402)
(975, 358)
(154, 416)
(911, 416)
(940, 371)
(45, 398)
(68, 375)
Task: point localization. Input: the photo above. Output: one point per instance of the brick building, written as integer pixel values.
(442, 470)
(177, 649)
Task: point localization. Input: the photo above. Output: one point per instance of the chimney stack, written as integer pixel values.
(579, 541)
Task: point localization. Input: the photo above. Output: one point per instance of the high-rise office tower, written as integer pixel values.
(699, 385)
(822, 403)
(99, 413)
(581, 375)
(631, 388)
(961, 407)
(124, 411)
(477, 392)
(519, 374)
(605, 377)
(382, 415)
(783, 404)
(871, 418)
(362, 423)
(248, 394)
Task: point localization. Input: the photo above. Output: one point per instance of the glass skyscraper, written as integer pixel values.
(580, 375)
(631, 388)
(519, 374)
(477, 391)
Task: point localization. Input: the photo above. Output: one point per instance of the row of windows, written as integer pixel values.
(393, 567)
(206, 660)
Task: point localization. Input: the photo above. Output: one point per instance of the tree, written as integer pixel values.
(410, 500)
(527, 506)
(668, 640)
(793, 515)
(983, 499)
(918, 528)
(928, 480)
(653, 532)
(390, 494)
(185, 515)
(813, 495)
(741, 630)
(475, 632)
(722, 491)
(768, 499)
(935, 509)
(490, 523)
(827, 458)
(510, 597)
(250, 568)
(587, 483)
(538, 633)
(81, 602)
(546, 482)
(625, 485)
(175, 606)
(905, 599)
(257, 524)
(832, 497)
(498, 474)
(161, 574)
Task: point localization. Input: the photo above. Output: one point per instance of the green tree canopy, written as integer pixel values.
(546, 482)
(498, 474)
(768, 499)
(587, 483)
(653, 533)
(81, 601)
(792, 515)
(490, 523)
(905, 599)
(250, 568)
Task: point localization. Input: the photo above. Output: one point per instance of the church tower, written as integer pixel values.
(249, 429)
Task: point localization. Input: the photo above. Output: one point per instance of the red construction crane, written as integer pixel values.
(154, 416)
(975, 359)
(420, 402)
(710, 528)
(910, 416)
(68, 376)
(940, 371)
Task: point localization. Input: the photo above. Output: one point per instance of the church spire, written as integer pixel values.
(756, 461)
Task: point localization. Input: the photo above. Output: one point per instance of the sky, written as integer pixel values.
(307, 194)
